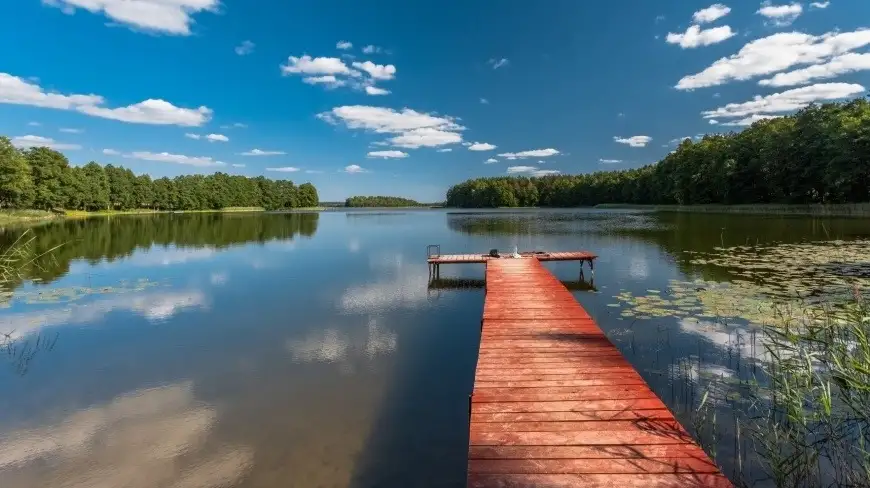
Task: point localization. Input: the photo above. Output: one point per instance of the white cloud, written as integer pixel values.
(481, 146)
(781, 14)
(534, 153)
(330, 81)
(839, 65)
(820, 4)
(695, 37)
(343, 45)
(190, 135)
(245, 48)
(371, 49)
(217, 138)
(713, 121)
(446, 149)
(751, 120)
(111, 152)
(377, 71)
(498, 63)
(284, 169)
(160, 16)
(531, 171)
(490, 161)
(313, 171)
(71, 131)
(425, 137)
(388, 154)
(236, 165)
(414, 129)
(484, 101)
(776, 53)
(634, 141)
(258, 152)
(610, 161)
(353, 168)
(39, 141)
(165, 157)
(16, 91)
(787, 101)
(307, 65)
(373, 90)
(155, 112)
(711, 14)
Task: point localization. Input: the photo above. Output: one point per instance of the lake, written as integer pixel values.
(311, 350)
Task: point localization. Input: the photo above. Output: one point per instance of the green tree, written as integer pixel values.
(16, 185)
(48, 170)
(308, 195)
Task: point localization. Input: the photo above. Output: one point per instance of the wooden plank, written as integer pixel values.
(639, 480)
(555, 403)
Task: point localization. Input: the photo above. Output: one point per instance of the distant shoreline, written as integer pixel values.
(814, 210)
(33, 217)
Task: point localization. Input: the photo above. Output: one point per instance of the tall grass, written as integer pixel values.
(16, 258)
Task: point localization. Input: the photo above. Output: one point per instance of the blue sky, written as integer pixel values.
(565, 86)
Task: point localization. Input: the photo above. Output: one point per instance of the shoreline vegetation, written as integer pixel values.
(34, 217)
(381, 202)
(36, 182)
(818, 156)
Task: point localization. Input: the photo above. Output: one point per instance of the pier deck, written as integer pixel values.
(555, 404)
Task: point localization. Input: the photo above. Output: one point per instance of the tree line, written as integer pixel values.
(821, 154)
(98, 240)
(379, 201)
(42, 178)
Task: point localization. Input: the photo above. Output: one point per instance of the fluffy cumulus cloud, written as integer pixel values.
(245, 48)
(165, 157)
(284, 169)
(172, 17)
(343, 45)
(633, 141)
(780, 14)
(490, 161)
(481, 146)
(354, 168)
(787, 101)
(306, 65)
(388, 154)
(39, 141)
(836, 66)
(775, 53)
(410, 129)
(530, 171)
(377, 71)
(820, 5)
(696, 37)
(373, 90)
(371, 49)
(711, 14)
(260, 152)
(111, 152)
(208, 137)
(534, 153)
(330, 81)
(16, 91)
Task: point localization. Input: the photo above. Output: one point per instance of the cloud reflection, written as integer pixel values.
(152, 438)
(338, 346)
(154, 306)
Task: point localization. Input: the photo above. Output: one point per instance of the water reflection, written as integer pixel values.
(334, 345)
(150, 240)
(154, 437)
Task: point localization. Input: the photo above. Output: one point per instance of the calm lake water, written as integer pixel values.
(309, 350)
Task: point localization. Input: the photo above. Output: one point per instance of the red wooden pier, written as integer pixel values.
(555, 404)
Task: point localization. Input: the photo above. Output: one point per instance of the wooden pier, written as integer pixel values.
(556, 405)
(436, 259)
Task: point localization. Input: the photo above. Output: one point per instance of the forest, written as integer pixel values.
(379, 201)
(821, 154)
(42, 178)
